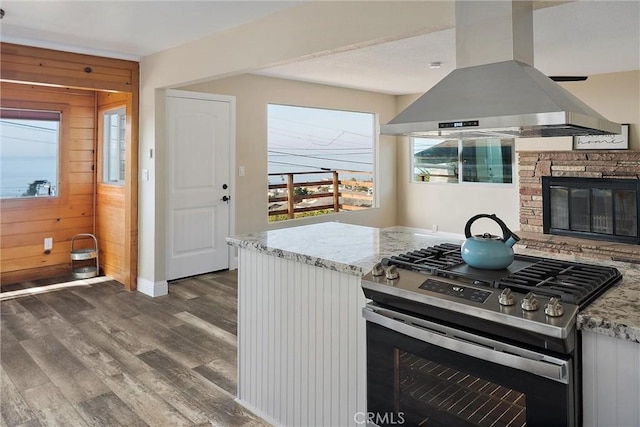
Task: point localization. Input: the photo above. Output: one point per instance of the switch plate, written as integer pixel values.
(241, 170)
(434, 228)
(48, 243)
(145, 174)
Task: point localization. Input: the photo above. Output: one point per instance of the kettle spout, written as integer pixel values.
(512, 240)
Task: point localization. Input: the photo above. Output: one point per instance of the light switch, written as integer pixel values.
(241, 170)
(48, 243)
(145, 174)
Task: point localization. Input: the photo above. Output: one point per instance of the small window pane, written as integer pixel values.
(560, 208)
(626, 213)
(602, 211)
(487, 160)
(435, 160)
(29, 147)
(580, 209)
(114, 146)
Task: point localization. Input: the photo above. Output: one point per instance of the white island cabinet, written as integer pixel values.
(611, 353)
(301, 335)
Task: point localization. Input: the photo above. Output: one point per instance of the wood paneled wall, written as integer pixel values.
(33, 73)
(36, 65)
(25, 222)
(110, 200)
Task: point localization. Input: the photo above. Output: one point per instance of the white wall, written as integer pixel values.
(616, 96)
(312, 28)
(253, 93)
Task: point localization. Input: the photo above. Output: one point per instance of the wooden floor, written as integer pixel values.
(99, 355)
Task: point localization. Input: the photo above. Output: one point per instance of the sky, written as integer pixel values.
(302, 139)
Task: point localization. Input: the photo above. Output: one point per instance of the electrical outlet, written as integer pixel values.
(434, 228)
(48, 243)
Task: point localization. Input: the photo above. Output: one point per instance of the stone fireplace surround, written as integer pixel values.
(533, 165)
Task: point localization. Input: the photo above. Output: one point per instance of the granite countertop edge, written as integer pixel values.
(315, 261)
(606, 327)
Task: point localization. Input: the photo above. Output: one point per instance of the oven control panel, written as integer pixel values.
(459, 291)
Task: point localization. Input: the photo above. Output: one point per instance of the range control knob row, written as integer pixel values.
(391, 272)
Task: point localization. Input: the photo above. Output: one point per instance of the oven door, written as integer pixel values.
(427, 374)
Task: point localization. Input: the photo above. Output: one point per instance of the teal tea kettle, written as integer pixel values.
(486, 251)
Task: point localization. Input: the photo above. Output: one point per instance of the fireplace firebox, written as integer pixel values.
(593, 208)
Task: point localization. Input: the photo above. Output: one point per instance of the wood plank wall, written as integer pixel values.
(36, 65)
(24, 223)
(110, 201)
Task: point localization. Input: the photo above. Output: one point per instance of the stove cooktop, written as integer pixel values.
(541, 295)
(570, 282)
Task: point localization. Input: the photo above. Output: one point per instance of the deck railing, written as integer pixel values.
(332, 192)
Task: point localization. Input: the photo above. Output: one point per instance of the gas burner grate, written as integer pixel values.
(570, 282)
(428, 259)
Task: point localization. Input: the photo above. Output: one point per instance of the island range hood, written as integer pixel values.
(495, 91)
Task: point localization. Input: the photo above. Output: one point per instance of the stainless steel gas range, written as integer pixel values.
(449, 344)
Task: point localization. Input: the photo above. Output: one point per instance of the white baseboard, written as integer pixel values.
(152, 289)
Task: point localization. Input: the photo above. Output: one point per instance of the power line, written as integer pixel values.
(24, 125)
(323, 158)
(321, 127)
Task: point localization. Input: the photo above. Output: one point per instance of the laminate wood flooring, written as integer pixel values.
(99, 355)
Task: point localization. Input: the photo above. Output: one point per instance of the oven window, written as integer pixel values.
(430, 392)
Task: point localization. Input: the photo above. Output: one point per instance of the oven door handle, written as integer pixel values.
(471, 345)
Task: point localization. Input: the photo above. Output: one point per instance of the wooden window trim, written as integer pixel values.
(100, 140)
(63, 157)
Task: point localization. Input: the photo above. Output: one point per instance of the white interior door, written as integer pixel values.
(198, 157)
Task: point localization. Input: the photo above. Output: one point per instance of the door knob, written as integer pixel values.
(225, 198)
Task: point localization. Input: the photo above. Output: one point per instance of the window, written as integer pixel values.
(114, 142)
(319, 161)
(455, 161)
(29, 152)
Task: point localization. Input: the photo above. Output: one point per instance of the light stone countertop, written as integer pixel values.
(354, 249)
(347, 248)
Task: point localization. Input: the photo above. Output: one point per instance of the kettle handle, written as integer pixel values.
(506, 233)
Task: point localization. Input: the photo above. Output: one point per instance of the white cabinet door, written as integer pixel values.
(198, 156)
(610, 381)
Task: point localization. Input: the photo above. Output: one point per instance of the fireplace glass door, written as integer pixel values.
(605, 209)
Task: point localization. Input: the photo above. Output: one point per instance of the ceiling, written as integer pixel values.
(576, 38)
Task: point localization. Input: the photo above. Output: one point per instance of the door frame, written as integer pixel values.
(231, 100)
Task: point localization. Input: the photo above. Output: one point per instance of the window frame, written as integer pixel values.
(105, 146)
(375, 147)
(460, 181)
(62, 195)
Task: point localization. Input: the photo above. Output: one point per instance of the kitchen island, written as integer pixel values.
(301, 336)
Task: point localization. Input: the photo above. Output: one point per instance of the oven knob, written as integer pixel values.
(529, 302)
(506, 297)
(378, 270)
(392, 272)
(553, 308)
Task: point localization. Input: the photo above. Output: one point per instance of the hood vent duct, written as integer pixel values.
(495, 92)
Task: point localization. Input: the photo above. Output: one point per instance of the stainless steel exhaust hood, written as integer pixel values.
(495, 91)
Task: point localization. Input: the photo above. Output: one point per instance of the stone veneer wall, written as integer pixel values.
(533, 165)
